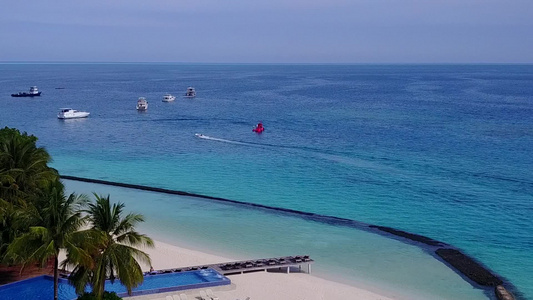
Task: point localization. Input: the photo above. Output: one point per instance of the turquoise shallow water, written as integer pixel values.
(343, 254)
(443, 151)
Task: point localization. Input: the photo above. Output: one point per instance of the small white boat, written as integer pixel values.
(69, 113)
(168, 98)
(142, 104)
(191, 93)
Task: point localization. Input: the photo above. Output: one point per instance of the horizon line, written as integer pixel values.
(265, 63)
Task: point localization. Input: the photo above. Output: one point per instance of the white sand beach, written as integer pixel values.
(257, 285)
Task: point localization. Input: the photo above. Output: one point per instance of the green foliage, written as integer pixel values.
(23, 166)
(6, 133)
(54, 226)
(115, 254)
(106, 296)
(37, 220)
(24, 172)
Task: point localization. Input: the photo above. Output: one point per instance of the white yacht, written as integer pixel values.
(191, 93)
(69, 113)
(168, 98)
(142, 104)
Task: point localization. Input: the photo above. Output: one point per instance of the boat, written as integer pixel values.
(191, 93)
(142, 104)
(69, 113)
(259, 128)
(168, 98)
(32, 93)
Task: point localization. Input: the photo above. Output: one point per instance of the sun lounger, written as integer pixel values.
(203, 295)
(175, 297)
(211, 295)
(248, 264)
(168, 298)
(183, 297)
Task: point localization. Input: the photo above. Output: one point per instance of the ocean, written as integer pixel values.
(438, 150)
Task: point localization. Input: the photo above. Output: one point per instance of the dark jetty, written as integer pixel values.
(469, 267)
(409, 236)
(461, 263)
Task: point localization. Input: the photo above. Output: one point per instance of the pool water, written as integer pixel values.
(42, 287)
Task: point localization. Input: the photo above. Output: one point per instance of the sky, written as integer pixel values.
(267, 31)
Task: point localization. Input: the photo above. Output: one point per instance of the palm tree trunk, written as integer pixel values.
(56, 275)
(101, 284)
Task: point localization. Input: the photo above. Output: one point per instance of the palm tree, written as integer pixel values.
(116, 254)
(23, 174)
(23, 166)
(57, 220)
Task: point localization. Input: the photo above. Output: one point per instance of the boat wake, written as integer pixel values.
(252, 144)
(205, 137)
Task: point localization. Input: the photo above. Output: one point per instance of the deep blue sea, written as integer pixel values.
(439, 150)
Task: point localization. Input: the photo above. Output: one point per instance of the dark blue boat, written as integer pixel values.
(33, 92)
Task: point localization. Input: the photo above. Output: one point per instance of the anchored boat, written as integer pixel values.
(168, 98)
(142, 104)
(191, 93)
(69, 113)
(32, 93)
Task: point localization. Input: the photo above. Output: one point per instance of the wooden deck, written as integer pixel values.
(302, 262)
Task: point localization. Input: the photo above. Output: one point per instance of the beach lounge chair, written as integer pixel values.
(183, 297)
(175, 297)
(211, 295)
(168, 298)
(203, 295)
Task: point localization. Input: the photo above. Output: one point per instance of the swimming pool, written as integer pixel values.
(42, 287)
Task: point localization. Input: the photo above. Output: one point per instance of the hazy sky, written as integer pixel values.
(268, 31)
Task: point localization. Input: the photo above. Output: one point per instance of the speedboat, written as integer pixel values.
(142, 104)
(69, 113)
(191, 93)
(33, 92)
(168, 98)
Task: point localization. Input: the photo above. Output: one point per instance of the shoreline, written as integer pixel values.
(470, 269)
(259, 285)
